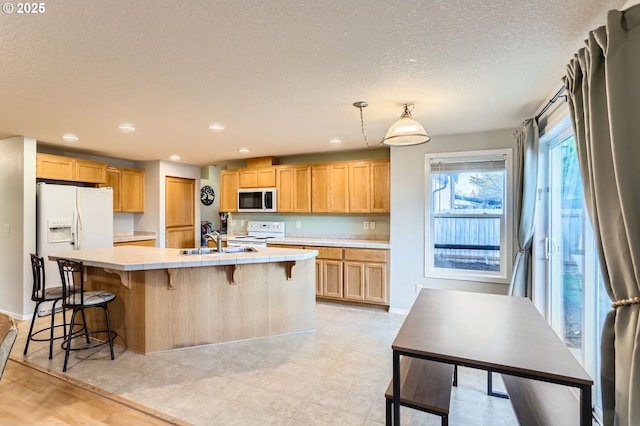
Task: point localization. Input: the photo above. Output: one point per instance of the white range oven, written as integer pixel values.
(258, 233)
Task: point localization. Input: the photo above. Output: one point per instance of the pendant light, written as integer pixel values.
(404, 132)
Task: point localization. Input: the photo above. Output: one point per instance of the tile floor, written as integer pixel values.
(334, 376)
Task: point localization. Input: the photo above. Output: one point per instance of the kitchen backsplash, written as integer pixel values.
(317, 225)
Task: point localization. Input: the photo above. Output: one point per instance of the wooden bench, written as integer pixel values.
(425, 386)
(539, 403)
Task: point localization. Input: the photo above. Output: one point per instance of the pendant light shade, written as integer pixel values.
(405, 131)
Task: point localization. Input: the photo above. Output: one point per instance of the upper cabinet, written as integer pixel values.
(258, 178)
(330, 185)
(369, 187)
(338, 187)
(293, 186)
(360, 187)
(380, 187)
(229, 183)
(70, 169)
(128, 189)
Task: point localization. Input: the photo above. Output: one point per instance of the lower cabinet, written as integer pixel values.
(366, 275)
(350, 274)
(143, 243)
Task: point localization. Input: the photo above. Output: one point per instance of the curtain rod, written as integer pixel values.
(551, 102)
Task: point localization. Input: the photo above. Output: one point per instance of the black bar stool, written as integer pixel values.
(77, 299)
(40, 294)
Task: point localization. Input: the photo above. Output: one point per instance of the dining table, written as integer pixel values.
(496, 333)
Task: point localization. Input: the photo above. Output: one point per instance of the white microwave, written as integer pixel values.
(257, 200)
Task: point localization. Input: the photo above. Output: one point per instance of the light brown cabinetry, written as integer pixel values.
(70, 169)
(380, 186)
(366, 275)
(329, 271)
(359, 187)
(337, 187)
(369, 187)
(330, 184)
(179, 212)
(142, 243)
(293, 185)
(128, 189)
(258, 178)
(229, 183)
(359, 275)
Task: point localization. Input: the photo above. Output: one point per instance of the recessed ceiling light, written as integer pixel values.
(216, 127)
(69, 137)
(244, 150)
(174, 157)
(127, 128)
(335, 141)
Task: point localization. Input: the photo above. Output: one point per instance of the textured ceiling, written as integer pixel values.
(280, 75)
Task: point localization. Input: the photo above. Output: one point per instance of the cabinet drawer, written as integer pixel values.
(366, 255)
(327, 252)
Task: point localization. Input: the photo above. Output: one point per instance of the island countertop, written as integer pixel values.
(135, 258)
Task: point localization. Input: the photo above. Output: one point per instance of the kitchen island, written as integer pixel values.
(168, 300)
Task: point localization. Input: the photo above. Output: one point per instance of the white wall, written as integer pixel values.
(408, 214)
(17, 224)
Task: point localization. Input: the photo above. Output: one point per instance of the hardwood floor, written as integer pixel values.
(29, 395)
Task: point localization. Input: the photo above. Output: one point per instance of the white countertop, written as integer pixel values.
(330, 242)
(136, 258)
(135, 236)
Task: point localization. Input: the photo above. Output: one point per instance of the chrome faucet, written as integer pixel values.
(215, 237)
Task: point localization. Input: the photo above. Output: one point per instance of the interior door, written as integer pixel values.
(179, 212)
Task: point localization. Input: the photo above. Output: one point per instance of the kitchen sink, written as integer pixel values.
(206, 250)
(239, 249)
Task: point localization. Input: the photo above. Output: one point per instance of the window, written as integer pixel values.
(469, 213)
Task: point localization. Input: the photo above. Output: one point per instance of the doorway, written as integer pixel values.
(179, 212)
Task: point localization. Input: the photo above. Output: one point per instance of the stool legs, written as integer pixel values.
(52, 327)
(70, 334)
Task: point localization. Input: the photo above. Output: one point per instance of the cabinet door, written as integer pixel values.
(354, 280)
(339, 188)
(359, 187)
(180, 237)
(248, 178)
(258, 178)
(54, 167)
(320, 185)
(229, 191)
(286, 188)
(90, 171)
(113, 180)
(318, 277)
(376, 289)
(302, 189)
(332, 278)
(380, 187)
(266, 177)
(132, 190)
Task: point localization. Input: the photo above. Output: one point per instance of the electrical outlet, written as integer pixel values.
(372, 225)
(298, 224)
(233, 222)
(418, 288)
(365, 225)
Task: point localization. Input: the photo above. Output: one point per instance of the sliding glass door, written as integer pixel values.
(576, 299)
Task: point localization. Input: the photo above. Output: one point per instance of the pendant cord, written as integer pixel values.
(366, 141)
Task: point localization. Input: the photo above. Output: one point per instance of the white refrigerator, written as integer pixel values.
(71, 218)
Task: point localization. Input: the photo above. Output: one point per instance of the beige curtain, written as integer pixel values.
(603, 84)
(526, 183)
